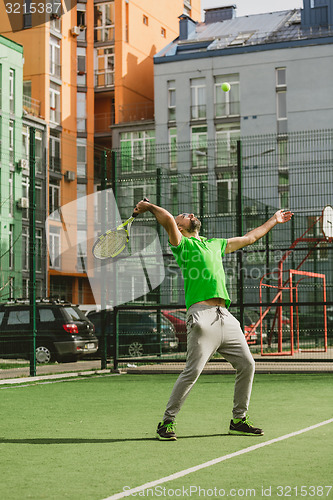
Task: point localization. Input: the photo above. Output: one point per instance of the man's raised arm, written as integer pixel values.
(280, 217)
(163, 217)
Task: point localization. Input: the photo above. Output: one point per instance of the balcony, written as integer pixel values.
(103, 122)
(226, 109)
(31, 106)
(136, 112)
(55, 164)
(104, 78)
(198, 112)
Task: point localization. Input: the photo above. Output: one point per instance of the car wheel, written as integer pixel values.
(43, 354)
(136, 349)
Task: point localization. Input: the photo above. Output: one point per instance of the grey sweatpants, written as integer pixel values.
(211, 329)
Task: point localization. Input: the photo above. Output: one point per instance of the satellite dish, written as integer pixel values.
(328, 222)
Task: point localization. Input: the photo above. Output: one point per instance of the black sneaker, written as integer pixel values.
(166, 431)
(243, 427)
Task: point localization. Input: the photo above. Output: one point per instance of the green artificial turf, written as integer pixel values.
(88, 439)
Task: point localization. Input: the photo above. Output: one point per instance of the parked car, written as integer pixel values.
(138, 332)
(178, 319)
(63, 331)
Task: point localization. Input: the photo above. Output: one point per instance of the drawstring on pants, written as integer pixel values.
(219, 315)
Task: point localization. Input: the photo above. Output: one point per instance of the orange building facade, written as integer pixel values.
(86, 68)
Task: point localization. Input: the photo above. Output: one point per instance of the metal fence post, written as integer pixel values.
(115, 308)
(32, 249)
(240, 232)
(103, 276)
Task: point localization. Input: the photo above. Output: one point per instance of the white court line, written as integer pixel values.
(185, 472)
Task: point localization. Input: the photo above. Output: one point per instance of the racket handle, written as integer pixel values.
(135, 214)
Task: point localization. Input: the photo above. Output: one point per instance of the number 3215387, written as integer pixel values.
(33, 8)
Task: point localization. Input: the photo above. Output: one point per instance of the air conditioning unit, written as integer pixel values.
(23, 203)
(75, 30)
(23, 164)
(70, 175)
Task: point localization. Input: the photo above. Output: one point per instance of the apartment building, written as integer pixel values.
(87, 66)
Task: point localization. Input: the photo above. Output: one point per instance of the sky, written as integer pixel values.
(248, 7)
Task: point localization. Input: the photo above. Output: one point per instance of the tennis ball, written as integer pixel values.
(225, 86)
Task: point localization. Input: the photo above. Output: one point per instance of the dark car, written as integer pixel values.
(63, 331)
(138, 332)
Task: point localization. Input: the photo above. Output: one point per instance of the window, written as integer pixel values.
(54, 247)
(27, 88)
(145, 20)
(137, 151)
(81, 21)
(226, 196)
(46, 315)
(198, 98)
(227, 103)
(25, 248)
(171, 100)
(11, 194)
(81, 66)
(81, 250)
(280, 77)
(54, 201)
(11, 246)
(25, 194)
(226, 145)
(81, 195)
(104, 73)
(163, 32)
(173, 147)
(199, 146)
(54, 152)
(81, 157)
(55, 63)
(11, 141)
(11, 90)
(81, 115)
(199, 194)
(27, 16)
(104, 22)
(281, 100)
(281, 105)
(19, 317)
(55, 115)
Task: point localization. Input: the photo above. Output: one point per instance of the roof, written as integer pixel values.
(242, 32)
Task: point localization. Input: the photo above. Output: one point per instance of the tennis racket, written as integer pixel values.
(111, 243)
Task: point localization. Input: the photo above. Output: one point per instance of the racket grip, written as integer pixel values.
(134, 214)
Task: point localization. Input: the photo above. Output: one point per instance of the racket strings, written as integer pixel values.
(111, 245)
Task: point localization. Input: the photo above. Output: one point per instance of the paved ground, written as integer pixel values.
(90, 367)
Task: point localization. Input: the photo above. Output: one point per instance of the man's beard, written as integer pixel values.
(195, 225)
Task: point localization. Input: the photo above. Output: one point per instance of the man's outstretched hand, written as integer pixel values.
(282, 216)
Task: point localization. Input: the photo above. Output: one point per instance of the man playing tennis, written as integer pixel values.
(210, 326)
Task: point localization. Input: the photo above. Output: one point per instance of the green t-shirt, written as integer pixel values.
(201, 264)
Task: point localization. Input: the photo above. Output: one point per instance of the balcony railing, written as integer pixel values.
(103, 122)
(225, 109)
(104, 78)
(31, 106)
(198, 112)
(136, 112)
(55, 164)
